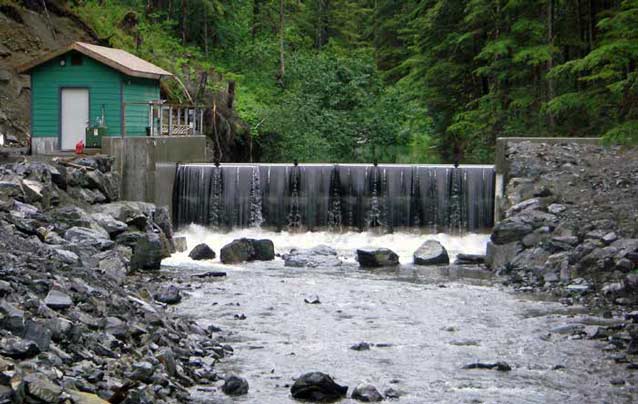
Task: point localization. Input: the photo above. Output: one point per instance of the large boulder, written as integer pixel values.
(377, 257)
(132, 213)
(318, 387)
(245, 249)
(71, 216)
(236, 251)
(148, 252)
(431, 253)
(509, 231)
(94, 237)
(264, 250)
(110, 224)
(202, 252)
(500, 255)
(319, 256)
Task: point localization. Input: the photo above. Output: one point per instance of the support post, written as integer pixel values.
(170, 121)
(161, 120)
(201, 121)
(150, 118)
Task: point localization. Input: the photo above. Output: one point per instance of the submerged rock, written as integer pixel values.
(431, 253)
(469, 259)
(360, 346)
(366, 393)
(202, 252)
(500, 366)
(235, 386)
(319, 256)
(317, 386)
(377, 257)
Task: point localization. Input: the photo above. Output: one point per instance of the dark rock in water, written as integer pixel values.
(58, 300)
(360, 346)
(377, 257)
(180, 244)
(469, 259)
(18, 348)
(235, 386)
(264, 250)
(237, 251)
(202, 252)
(210, 274)
(148, 252)
(508, 231)
(319, 256)
(366, 393)
(169, 295)
(431, 253)
(391, 394)
(317, 386)
(312, 300)
(500, 366)
(246, 249)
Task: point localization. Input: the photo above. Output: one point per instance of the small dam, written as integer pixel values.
(337, 197)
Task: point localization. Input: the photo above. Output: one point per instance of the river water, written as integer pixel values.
(424, 324)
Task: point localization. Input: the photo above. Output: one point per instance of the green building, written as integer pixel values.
(88, 85)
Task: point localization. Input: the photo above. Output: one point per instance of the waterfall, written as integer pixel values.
(344, 197)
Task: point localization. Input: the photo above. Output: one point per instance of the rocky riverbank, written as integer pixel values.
(76, 322)
(570, 229)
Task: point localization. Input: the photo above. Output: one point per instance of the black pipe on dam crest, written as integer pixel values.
(339, 197)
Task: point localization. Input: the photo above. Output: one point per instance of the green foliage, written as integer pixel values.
(395, 80)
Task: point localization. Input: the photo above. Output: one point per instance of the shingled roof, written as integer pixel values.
(117, 59)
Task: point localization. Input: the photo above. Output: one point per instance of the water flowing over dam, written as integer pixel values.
(339, 197)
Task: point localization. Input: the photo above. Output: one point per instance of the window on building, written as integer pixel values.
(76, 59)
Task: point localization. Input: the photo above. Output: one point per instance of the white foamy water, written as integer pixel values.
(403, 243)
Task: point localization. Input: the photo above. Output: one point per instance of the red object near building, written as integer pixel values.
(79, 147)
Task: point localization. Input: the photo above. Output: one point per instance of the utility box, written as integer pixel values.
(93, 137)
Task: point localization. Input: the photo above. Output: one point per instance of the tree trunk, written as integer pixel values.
(323, 21)
(206, 33)
(184, 22)
(550, 62)
(282, 62)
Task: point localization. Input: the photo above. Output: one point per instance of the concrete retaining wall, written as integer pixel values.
(147, 164)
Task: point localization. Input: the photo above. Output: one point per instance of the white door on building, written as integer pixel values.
(75, 116)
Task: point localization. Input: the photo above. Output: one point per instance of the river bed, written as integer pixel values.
(424, 325)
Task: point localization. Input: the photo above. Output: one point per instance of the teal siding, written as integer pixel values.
(104, 86)
(138, 90)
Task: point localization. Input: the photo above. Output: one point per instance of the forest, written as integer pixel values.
(395, 80)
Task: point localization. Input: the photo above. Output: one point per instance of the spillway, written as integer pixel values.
(338, 197)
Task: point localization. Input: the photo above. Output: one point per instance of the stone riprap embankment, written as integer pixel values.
(75, 322)
(570, 227)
